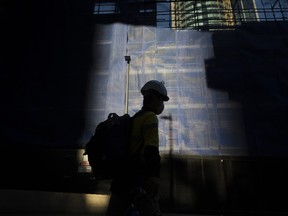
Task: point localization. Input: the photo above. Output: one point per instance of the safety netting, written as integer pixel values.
(197, 120)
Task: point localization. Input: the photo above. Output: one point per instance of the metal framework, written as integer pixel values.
(191, 14)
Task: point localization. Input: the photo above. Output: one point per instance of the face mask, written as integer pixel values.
(159, 109)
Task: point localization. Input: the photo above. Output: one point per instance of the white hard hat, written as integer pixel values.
(156, 86)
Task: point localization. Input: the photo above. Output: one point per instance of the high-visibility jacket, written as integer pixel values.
(144, 132)
(143, 159)
(145, 143)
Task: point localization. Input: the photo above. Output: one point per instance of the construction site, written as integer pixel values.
(223, 133)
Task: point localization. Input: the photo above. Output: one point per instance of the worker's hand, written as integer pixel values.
(152, 185)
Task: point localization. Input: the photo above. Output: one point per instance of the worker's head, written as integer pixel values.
(154, 93)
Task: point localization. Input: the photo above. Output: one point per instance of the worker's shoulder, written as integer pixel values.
(147, 115)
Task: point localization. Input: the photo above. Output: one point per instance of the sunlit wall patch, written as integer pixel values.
(177, 57)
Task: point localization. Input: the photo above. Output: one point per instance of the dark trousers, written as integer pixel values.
(121, 202)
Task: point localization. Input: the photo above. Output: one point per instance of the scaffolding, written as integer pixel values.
(191, 14)
(205, 72)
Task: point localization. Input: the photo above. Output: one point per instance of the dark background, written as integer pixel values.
(46, 52)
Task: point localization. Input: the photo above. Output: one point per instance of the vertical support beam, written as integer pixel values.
(127, 59)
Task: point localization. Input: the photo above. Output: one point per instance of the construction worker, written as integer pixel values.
(138, 184)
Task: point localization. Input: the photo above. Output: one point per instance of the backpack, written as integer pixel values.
(107, 148)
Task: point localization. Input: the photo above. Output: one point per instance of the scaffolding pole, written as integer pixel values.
(127, 59)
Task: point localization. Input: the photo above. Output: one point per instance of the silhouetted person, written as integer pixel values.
(138, 184)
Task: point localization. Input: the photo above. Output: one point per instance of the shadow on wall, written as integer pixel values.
(46, 56)
(45, 60)
(225, 185)
(251, 65)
